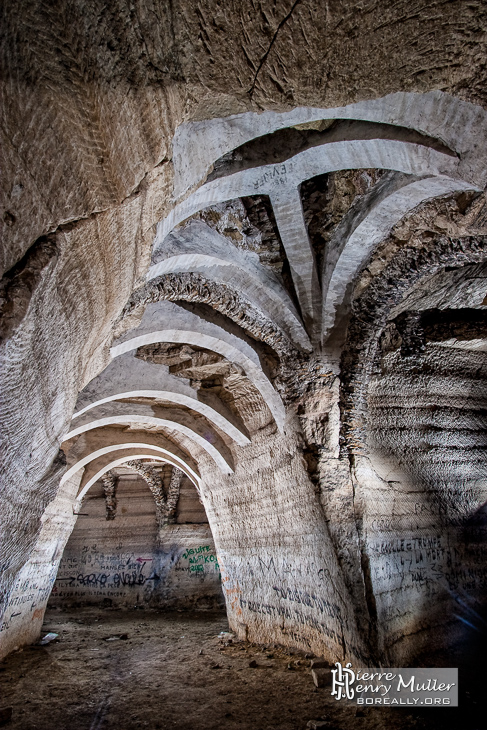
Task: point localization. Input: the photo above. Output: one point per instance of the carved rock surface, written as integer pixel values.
(311, 180)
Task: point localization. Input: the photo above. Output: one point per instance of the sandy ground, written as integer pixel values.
(173, 671)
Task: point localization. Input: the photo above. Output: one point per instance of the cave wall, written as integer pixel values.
(24, 614)
(131, 561)
(93, 98)
(281, 578)
(424, 503)
(413, 414)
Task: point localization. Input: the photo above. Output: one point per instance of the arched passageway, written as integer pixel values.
(249, 359)
(141, 539)
(270, 285)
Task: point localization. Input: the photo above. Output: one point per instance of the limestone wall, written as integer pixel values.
(281, 577)
(424, 512)
(130, 561)
(24, 614)
(103, 111)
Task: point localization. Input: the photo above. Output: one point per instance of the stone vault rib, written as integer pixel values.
(281, 182)
(198, 145)
(108, 467)
(130, 414)
(110, 483)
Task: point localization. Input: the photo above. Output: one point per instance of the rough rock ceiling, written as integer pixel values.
(230, 250)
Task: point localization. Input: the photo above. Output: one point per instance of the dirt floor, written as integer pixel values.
(172, 670)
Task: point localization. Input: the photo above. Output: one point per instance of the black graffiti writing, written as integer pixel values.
(134, 578)
(308, 599)
(92, 579)
(291, 614)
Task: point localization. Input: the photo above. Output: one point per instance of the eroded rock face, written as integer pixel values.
(136, 559)
(299, 257)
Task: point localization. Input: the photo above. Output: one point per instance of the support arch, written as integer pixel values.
(435, 113)
(340, 273)
(169, 456)
(231, 350)
(112, 465)
(221, 455)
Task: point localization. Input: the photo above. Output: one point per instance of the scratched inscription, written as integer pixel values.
(275, 175)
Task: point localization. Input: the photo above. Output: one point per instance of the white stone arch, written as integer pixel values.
(130, 377)
(281, 183)
(456, 124)
(197, 248)
(138, 417)
(211, 414)
(229, 347)
(370, 232)
(406, 157)
(170, 457)
(198, 145)
(276, 307)
(112, 465)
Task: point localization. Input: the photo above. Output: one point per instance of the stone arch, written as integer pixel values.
(129, 377)
(219, 271)
(435, 113)
(409, 451)
(271, 490)
(215, 418)
(112, 465)
(171, 458)
(369, 233)
(406, 270)
(199, 249)
(404, 157)
(225, 299)
(281, 182)
(230, 348)
(220, 453)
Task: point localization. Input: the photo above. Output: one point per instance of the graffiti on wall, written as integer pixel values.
(30, 593)
(95, 573)
(200, 559)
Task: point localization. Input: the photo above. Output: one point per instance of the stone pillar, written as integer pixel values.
(24, 614)
(165, 507)
(110, 483)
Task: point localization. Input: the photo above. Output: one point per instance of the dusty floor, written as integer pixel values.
(173, 671)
